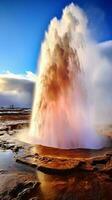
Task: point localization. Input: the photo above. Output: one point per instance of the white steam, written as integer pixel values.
(64, 89)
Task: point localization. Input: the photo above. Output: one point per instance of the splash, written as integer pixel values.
(61, 112)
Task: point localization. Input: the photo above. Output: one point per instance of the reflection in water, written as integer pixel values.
(76, 186)
(54, 186)
(6, 159)
(7, 162)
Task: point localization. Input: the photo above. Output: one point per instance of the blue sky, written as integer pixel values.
(23, 24)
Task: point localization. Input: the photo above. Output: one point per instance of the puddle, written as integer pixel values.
(7, 162)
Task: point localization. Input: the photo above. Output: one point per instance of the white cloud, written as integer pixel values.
(106, 49)
(27, 76)
(102, 82)
(16, 89)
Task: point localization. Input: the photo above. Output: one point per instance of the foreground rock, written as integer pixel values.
(17, 185)
(54, 160)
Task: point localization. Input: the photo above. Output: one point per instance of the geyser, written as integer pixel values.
(61, 112)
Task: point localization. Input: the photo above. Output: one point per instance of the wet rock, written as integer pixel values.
(6, 145)
(49, 160)
(23, 190)
(102, 160)
(3, 128)
(2, 133)
(2, 171)
(21, 186)
(17, 148)
(26, 161)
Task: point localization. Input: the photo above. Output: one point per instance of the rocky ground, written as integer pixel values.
(37, 172)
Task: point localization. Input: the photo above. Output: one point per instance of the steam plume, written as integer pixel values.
(61, 112)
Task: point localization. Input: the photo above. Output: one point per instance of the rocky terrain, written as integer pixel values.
(34, 172)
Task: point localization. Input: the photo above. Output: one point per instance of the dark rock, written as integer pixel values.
(2, 171)
(102, 160)
(8, 145)
(17, 186)
(2, 133)
(23, 190)
(24, 161)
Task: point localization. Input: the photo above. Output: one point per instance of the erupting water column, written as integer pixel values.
(61, 116)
